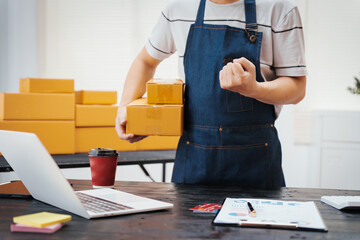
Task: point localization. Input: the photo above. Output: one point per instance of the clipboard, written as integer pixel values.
(270, 214)
(14, 189)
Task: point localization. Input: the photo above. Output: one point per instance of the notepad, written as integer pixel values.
(42, 219)
(17, 227)
(270, 214)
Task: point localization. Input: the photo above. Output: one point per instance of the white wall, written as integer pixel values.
(333, 37)
(95, 41)
(18, 42)
(332, 50)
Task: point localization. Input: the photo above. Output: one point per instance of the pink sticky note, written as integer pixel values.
(17, 227)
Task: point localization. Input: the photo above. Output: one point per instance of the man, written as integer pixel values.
(241, 61)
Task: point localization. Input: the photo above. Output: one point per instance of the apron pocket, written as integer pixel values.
(202, 164)
(247, 165)
(236, 102)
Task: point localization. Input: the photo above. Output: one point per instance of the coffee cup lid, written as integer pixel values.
(102, 152)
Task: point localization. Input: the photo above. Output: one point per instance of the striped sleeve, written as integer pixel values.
(160, 44)
(288, 46)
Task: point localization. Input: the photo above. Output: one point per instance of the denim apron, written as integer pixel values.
(228, 138)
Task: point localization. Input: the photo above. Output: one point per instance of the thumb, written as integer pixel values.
(123, 121)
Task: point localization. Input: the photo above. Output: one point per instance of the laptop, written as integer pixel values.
(42, 177)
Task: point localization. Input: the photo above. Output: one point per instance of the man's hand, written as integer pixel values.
(239, 76)
(120, 126)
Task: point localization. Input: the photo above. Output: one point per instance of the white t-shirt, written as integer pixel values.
(282, 48)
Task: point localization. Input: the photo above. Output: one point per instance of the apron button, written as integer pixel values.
(271, 125)
(187, 142)
(220, 129)
(266, 144)
(252, 38)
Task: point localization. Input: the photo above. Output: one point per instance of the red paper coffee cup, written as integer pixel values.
(103, 163)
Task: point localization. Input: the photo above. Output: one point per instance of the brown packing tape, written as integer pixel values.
(154, 112)
(165, 93)
(24, 85)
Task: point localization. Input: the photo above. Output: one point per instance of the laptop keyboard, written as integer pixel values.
(98, 205)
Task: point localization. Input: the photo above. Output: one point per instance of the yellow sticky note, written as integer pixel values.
(42, 219)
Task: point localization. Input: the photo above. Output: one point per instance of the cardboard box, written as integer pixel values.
(165, 91)
(44, 85)
(37, 106)
(88, 138)
(158, 143)
(147, 119)
(95, 115)
(57, 136)
(96, 97)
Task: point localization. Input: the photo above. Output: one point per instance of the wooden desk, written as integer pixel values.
(180, 222)
(125, 158)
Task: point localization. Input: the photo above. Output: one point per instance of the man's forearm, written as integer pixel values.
(240, 76)
(140, 72)
(283, 90)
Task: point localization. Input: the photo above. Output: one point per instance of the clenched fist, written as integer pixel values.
(239, 76)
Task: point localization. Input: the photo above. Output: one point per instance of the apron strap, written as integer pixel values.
(251, 27)
(200, 14)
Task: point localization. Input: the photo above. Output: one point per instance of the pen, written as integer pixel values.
(252, 210)
(269, 225)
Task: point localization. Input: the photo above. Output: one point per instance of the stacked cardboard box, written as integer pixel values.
(95, 114)
(66, 121)
(44, 107)
(161, 113)
(95, 125)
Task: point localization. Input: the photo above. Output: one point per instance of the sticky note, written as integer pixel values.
(17, 227)
(42, 219)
